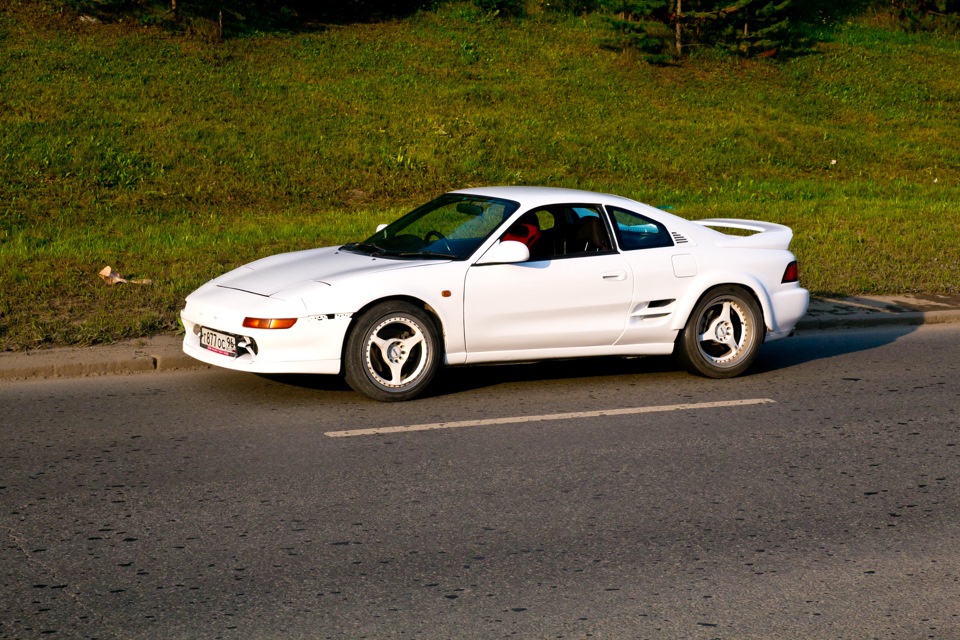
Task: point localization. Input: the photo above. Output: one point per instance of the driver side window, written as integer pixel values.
(561, 232)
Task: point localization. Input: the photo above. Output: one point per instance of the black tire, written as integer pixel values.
(723, 333)
(392, 352)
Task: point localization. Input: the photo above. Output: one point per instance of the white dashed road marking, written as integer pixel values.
(547, 417)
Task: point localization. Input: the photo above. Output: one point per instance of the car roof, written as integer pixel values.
(530, 197)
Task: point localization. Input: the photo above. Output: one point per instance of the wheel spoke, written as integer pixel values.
(730, 342)
(410, 343)
(710, 335)
(396, 371)
(725, 313)
(382, 345)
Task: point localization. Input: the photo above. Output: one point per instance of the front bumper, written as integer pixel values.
(313, 345)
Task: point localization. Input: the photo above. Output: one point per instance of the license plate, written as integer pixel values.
(222, 343)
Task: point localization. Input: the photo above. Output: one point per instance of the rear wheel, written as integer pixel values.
(392, 353)
(723, 334)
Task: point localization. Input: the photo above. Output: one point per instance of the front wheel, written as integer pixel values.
(722, 335)
(392, 353)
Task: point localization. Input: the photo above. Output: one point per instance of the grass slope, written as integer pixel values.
(174, 159)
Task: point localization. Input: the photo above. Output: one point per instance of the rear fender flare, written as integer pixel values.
(703, 285)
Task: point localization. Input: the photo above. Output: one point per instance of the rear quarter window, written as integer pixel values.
(635, 231)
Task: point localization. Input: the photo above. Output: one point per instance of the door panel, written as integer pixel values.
(550, 304)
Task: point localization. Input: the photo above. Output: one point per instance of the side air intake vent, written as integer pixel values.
(678, 238)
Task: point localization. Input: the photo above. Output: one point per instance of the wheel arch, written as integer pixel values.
(747, 283)
(415, 301)
(728, 345)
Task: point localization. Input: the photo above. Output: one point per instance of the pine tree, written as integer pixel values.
(927, 14)
(747, 27)
(642, 25)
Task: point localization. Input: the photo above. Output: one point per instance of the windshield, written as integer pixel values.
(451, 227)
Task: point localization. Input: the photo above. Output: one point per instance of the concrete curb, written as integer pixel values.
(809, 323)
(164, 353)
(158, 353)
(861, 312)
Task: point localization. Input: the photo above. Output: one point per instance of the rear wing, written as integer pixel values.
(767, 235)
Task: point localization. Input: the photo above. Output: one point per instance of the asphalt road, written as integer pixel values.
(825, 503)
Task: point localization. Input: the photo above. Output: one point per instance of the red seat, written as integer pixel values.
(524, 232)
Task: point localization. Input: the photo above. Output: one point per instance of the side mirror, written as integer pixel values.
(381, 227)
(506, 252)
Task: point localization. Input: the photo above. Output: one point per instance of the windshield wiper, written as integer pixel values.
(376, 250)
(364, 247)
(425, 254)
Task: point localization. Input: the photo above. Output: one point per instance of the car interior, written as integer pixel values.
(558, 232)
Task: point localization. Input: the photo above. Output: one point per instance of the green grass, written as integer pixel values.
(174, 159)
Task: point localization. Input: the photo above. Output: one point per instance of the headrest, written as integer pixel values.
(591, 231)
(524, 232)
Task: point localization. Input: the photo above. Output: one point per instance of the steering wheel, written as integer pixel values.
(433, 233)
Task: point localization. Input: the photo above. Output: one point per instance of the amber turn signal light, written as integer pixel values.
(269, 323)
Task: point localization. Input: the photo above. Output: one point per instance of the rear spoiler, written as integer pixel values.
(767, 235)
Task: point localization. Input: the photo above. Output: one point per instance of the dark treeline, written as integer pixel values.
(661, 30)
(250, 14)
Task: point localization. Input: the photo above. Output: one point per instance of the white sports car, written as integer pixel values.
(504, 274)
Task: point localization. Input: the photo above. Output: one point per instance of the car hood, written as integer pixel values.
(276, 274)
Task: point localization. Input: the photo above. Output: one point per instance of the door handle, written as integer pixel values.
(615, 275)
